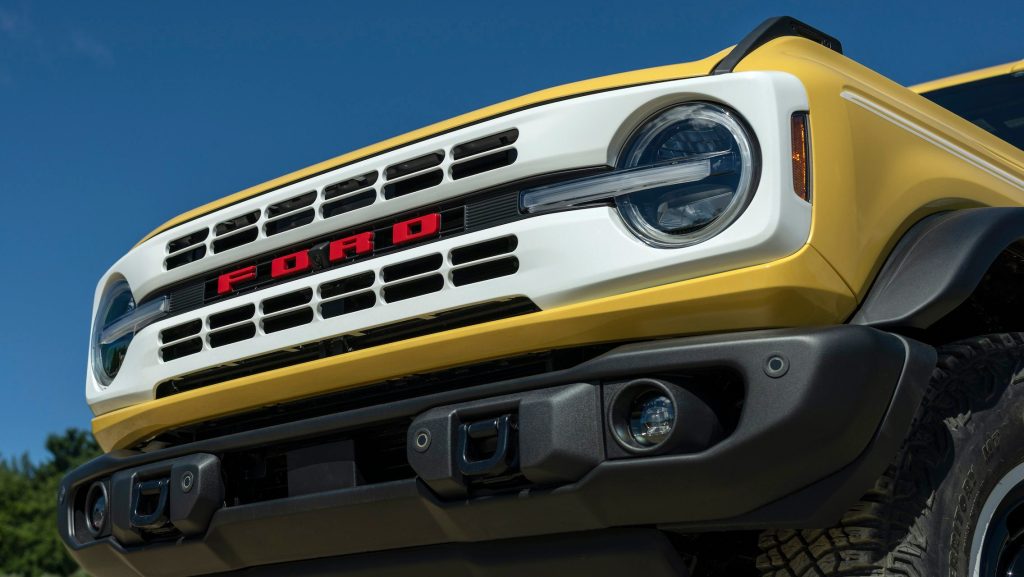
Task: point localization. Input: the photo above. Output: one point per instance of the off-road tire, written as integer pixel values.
(919, 518)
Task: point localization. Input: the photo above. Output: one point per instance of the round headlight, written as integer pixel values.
(115, 304)
(684, 214)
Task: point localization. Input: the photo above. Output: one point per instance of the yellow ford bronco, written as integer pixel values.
(750, 315)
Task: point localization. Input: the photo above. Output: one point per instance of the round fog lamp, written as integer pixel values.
(651, 418)
(96, 509)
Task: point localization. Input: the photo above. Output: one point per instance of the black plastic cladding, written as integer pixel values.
(819, 423)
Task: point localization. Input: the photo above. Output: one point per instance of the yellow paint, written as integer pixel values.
(965, 77)
(873, 179)
(646, 76)
(800, 290)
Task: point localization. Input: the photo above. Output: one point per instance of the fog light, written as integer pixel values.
(651, 419)
(96, 509)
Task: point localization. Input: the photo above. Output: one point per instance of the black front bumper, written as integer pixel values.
(794, 448)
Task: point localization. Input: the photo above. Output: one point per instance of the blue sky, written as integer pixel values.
(116, 116)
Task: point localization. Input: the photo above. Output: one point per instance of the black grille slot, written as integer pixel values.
(348, 204)
(232, 335)
(292, 204)
(350, 185)
(186, 297)
(485, 271)
(288, 320)
(289, 222)
(482, 250)
(411, 268)
(232, 316)
(415, 165)
(349, 304)
(484, 163)
(346, 285)
(486, 143)
(413, 288)
(235, 240)
(413, 184)
(393, 332)
(237, 223)
(182, 349)
(185, 241)
(181, 331)
(186, 257)
(287, 301)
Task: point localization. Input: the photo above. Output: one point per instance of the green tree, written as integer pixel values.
(29, 544)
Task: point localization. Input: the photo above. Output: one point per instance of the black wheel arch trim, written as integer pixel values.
(937, 265)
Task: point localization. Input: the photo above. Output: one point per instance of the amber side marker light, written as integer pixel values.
(801, 156)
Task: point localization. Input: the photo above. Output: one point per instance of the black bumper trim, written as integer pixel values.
(848, 395)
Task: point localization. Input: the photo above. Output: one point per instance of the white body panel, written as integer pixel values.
(564, 257)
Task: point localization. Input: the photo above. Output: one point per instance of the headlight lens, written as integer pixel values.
(689, 212)
(116, 303)
(686, 174)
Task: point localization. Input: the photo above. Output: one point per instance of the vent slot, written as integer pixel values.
(186, 257)
(287, 301)
(289, 222)
(413, 184)
(232, 316)
(186, 241)
(413, 288)
(486, 249)
(182, 349)
(349, 304)
(288, 320)
(346, 285)
(415, 165)
(485, 271)
(410, 268)
(291, 205)
(237, 223)
(232, 335)
(351, 185)
(235, 240)
(485, 144)
(349, 203)
(181, 331)
(484, 163)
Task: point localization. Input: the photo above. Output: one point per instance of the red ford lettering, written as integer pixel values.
(289, 264)
(341, 249)
(416, 229)
(226, 282)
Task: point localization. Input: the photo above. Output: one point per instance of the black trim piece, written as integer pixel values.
(413, 165)
(286, 301)
(186, 257)
(421, 265)
(232, 335)
(351, 185)
(182, 349)
(181, 331)
(414, 288)
(288, 320)
(485, 271)
(769, 30)
(236, 223)
(413, 184)
(349, 304)
(286, 223)
(485, 144)
(292, 204)
(936, 266)
(348, 204)
(236, 240)
(482, 250)
(484, 163)
(346, 285)
(393, 332)
(188, 240)
(231, 316)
